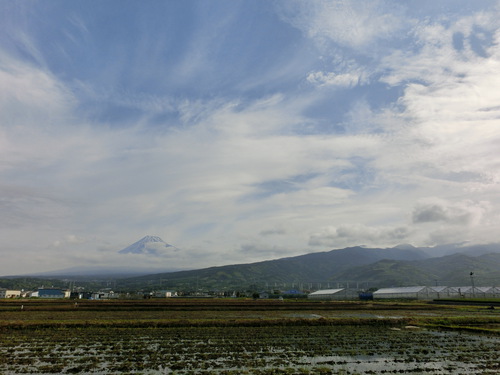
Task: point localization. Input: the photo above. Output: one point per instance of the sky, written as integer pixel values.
(241, 131)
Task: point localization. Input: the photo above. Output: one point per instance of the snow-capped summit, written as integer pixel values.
(152, 245)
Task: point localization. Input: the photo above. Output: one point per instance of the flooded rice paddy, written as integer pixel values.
(309, 346)
(248, 350)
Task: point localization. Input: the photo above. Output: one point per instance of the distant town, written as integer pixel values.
(340, 294)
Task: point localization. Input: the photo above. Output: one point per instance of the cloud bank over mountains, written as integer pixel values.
(245, 131)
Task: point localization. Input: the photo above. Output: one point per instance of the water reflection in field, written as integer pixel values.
(313, 349)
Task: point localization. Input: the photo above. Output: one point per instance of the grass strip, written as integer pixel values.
(203, 323)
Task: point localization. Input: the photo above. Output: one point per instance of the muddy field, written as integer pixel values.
(247, 337)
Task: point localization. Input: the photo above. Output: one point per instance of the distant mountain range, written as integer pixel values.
(450, 270)
(402, 265)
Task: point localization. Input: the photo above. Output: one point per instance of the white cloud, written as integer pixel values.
(190, 177)
(466, 213)
(29, 95)
(431, 221)
(273, 232)
(69, 240)
(346, 234)
(350, 24)
(451, 118)
(331, 79)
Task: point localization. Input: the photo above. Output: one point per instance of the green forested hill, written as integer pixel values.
(356, 265)
(448, 270)
(364, 267)
(309, 268)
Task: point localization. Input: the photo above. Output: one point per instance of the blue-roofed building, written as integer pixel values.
(53, 293)
(292, 292)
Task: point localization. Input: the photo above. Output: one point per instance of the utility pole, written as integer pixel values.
(472, 282)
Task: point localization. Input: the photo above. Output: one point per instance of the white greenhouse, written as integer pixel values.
(437, 292)
(474, 292)
(459, 291)
(334, 294)
(410, 292)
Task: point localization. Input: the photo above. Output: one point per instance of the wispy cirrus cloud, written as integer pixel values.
(288, 129)
(349, 24)
(331, 79)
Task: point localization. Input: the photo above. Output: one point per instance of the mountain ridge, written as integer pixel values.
(454, 269)
(401, 265)
(331, 266)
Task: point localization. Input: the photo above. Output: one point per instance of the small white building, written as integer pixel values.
(105, 295)
(165, 294)
(263, 295)
(9, 293)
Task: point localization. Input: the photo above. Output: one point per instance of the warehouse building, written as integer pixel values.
(52, 293)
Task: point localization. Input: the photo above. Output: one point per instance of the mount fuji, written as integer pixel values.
(149, 245)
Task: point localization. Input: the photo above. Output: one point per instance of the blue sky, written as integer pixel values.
(241, 131)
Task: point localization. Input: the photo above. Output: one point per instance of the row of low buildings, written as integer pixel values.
(66, 293)
(52, 293)
(411, 292)
(40, 293)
